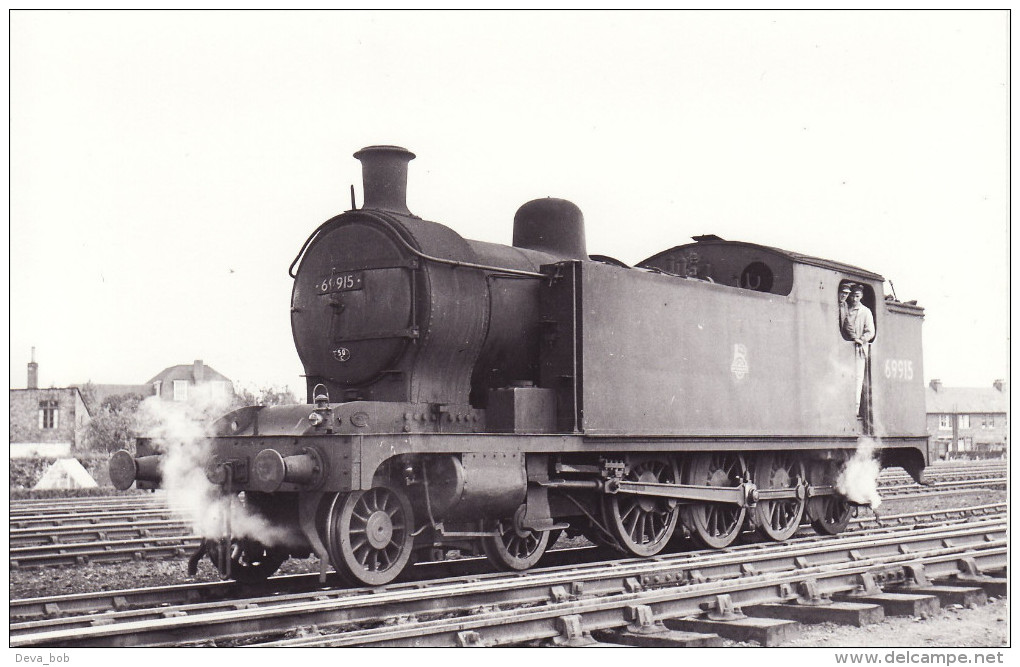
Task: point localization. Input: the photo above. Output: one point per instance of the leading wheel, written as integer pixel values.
(715, 525)
(642, 525)
(829, 514)
(248, 561)
(369, 534)
(515, 548)
(778, 519)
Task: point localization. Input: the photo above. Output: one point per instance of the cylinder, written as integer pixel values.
(384, 177)
(473, 485)
(551, 225)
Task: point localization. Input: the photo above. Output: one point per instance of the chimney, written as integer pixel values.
(199, 371)
(936, 385)
(1001, 385)
(33, 372)
(384, 177)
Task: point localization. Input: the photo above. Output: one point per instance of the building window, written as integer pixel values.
(944, 422)
(156, 387)
(964, 444)
(49, 414)
(963, 421)
(180, 390)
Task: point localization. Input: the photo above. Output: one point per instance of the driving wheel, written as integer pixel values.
(642, 525)
(778, 519)
(715, 525)
(829, 514)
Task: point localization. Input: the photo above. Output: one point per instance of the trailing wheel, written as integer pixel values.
(642, 525)
(369, 534)
(245, 560)
(778, 519)
(515, 548)
(715, 525)
(829, 514)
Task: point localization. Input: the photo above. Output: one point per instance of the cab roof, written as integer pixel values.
(795, 257)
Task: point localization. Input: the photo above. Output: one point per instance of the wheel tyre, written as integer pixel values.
(715, 525)
(778, 520)
(643, 525)
(370, 534)
(515, 548)
(829, 515)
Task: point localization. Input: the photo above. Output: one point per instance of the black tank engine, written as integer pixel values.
(475, 396)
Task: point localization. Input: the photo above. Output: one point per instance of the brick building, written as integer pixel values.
(46, 422)
(968, 422)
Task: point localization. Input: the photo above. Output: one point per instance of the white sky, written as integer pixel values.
(166, 167)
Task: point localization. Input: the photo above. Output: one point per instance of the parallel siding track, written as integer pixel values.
(545, 604)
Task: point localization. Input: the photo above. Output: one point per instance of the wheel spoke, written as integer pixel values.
(512, 547)
(368, 540)
(642, 525)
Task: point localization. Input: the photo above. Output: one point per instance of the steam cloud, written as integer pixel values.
(858, 480)
(179, 430)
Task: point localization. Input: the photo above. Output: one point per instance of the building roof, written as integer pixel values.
(189, 372)
(964, 400)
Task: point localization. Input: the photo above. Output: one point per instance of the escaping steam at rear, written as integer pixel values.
(858, 480)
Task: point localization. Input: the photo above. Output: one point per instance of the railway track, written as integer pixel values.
(937, 488)
(50, 607)
(99, 532)
(543, 603)
(56, 520)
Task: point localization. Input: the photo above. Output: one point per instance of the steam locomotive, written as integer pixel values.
(482, 397)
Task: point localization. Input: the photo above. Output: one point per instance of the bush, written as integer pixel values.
(114, 424)
(26, 472)
(267, 395)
